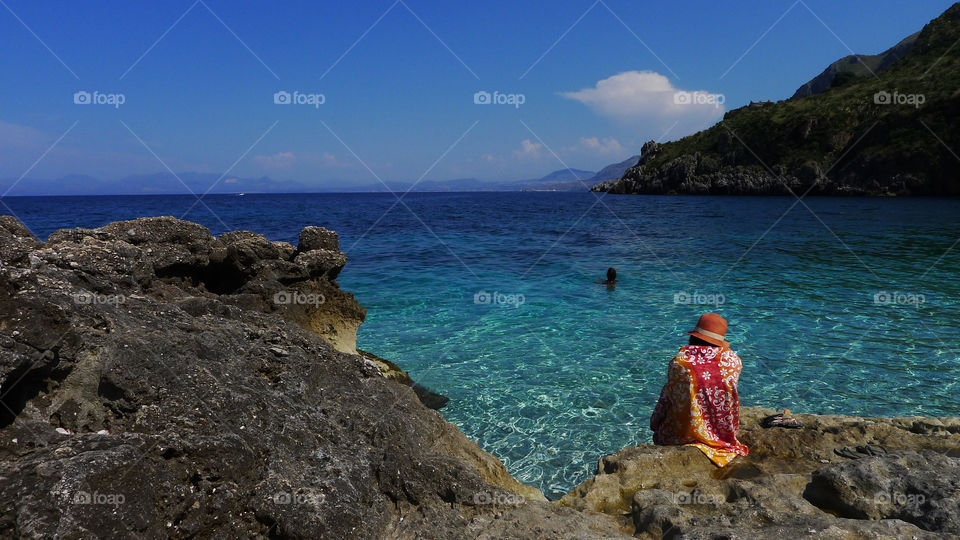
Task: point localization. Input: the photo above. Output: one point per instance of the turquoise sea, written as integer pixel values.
(835, 305)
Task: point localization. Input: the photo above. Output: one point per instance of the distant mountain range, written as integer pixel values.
(868, 125)
(583, 179)
(199, 183)
(563, 175)
(550, 182)
(855, 65)
(562, 180)
(612, 172)
(148, 184)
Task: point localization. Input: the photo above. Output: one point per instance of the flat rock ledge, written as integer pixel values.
(901, 480)
(159, 382)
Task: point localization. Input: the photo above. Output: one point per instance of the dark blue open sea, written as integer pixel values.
(845, 306)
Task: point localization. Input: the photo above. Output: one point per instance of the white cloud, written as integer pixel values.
(528, 150)
(21, 136)
(280, 160)
(634, 95)
(331, 161)
(596, 145)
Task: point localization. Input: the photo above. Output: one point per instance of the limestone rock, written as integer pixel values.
(312, 238)
(16, 241)
(152, 386)
(792, 484)
(920, 488)
(322, 263)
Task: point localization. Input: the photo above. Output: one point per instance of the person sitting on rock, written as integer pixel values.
(699, 405)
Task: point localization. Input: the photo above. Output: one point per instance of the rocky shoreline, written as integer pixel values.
(157, 381)
(900, 478)
(700, 173)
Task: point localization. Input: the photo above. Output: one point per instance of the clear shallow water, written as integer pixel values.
(573, 373)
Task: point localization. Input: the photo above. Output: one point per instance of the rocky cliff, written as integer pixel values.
(157, 382)
(883, 133)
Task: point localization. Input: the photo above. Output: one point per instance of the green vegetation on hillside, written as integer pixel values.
(865, 135)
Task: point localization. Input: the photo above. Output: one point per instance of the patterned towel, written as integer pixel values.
(699, 405)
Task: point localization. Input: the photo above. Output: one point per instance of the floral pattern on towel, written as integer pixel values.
(699, 405)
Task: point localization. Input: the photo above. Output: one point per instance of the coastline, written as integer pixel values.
(212, 386)
(702, 174)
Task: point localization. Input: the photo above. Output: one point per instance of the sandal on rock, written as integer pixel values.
(864, 450)
(847, 452)
(872, 450)
(778, 420)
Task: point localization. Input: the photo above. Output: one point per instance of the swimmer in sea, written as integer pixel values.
(611, 281)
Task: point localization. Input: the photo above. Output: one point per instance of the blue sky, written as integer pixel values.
(198, 81)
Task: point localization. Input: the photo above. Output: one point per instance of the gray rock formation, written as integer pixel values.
(700, 174)
(793, 484)
(313, 238)
(920, 488)
(158, 382)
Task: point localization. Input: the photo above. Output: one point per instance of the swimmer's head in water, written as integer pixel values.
(611, 274)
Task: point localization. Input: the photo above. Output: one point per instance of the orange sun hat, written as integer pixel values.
(711, 328)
